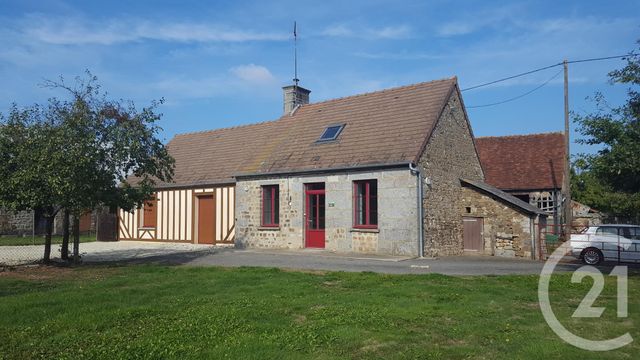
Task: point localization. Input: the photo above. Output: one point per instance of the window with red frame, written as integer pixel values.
(270, 205)
(365, 204)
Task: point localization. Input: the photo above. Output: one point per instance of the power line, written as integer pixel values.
(511, 77)
(600, 58)
(519, 96)
(545, 68)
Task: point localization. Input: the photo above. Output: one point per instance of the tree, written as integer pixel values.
(30, 145)
(87, 146)
(609, 179)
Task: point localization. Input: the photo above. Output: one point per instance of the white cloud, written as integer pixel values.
(77, 31)
(338, 31)
(469, 23)
(242, 79)
(457, 28)
(253, 74)
(392, 32)
(540, 43)
(387, 32)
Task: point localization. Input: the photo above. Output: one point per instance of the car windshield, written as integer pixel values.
(607, 230)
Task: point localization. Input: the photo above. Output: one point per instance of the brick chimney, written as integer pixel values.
(294, 95)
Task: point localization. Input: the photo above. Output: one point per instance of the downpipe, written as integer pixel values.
(416, 171)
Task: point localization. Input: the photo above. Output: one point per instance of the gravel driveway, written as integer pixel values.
(325, 260)
(207, 255)
(103, 251)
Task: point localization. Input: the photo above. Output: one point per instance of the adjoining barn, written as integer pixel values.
(529, 167)
(496, 223)
(375, 173)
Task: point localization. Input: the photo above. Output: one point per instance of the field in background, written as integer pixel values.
(154, 311)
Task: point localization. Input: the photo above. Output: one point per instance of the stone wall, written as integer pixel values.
(16, 223)
(397, 218)
(506, 231)
(449, 155)
(20, 223)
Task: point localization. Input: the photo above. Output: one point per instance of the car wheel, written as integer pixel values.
(592, 256)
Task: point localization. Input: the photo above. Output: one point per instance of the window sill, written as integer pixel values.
(147, 228)
(365, 230)
(269, 228)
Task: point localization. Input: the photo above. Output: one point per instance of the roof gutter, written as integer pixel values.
(416, 171)
(325, 170)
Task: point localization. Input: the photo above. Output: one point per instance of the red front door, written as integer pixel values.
(314, 215)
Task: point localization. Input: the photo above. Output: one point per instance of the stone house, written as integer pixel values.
(372, 173)
(529, 167)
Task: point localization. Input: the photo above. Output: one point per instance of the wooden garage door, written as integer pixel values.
(206, 219)
(472, 233)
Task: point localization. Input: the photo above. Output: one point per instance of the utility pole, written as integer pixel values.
(567, 165)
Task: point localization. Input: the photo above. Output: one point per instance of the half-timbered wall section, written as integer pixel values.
(177, 217)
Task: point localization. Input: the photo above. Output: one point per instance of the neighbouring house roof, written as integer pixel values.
(385, 128)
(523, 162)
(508, 198)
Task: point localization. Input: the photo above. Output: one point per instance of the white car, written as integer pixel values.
(612, 242)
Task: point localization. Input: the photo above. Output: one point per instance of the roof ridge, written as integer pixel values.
(455, 78)
(521, 135)
(227, 128)
(318, 103)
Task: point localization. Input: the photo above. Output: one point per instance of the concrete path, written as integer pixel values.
(321, 260)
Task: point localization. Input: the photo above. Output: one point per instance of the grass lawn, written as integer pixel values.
(39, 240)
(158, 312)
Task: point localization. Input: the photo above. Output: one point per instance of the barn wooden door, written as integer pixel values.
(107, 227)
(206, 219)
(472, 233)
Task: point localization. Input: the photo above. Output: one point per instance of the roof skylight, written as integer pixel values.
(331, 133)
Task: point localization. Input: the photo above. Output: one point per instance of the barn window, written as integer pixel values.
(270, 205)
(331, 133)
(148, 213)
(543, 200)
(365, 204)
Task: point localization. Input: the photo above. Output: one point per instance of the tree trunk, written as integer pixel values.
(64, 252)
(76, 239)
(47, 237)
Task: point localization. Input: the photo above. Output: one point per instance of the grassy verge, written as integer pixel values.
(180, 312)
(39, 240)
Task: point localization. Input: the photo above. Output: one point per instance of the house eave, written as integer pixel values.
(302, 172)
(195, 184)
(504, 196)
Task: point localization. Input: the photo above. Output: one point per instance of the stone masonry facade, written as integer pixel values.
(450, 155)
(20, 223)
(506, 231)
(397, 219)
(16, 223)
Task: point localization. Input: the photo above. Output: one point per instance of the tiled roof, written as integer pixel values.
(523, 162)
(381, 128)
(524, 206)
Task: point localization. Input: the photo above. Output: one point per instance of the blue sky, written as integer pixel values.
(221, 64)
